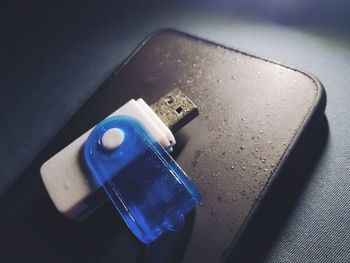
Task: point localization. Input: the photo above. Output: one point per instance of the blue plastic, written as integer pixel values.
(150, 191)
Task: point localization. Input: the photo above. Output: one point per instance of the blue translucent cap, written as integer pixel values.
(150, 191)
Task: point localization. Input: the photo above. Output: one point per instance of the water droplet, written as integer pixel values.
(242, 147)
(244, 168)
(219, 81)
(232, 167)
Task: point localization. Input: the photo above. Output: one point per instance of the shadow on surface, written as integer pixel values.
(41, 233)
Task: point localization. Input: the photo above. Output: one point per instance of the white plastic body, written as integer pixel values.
(64, 177)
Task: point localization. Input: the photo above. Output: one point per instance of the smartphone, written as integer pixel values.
(254, 118)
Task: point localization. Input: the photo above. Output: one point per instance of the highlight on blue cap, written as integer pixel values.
(147, 187)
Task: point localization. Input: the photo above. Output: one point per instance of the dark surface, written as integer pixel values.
(252, 113)
(52, 64)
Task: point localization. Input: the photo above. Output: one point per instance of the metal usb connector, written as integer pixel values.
(175, 109)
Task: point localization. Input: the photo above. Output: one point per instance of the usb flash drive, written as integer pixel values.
(125, 159)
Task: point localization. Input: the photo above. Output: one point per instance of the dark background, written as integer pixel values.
(54, 55)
